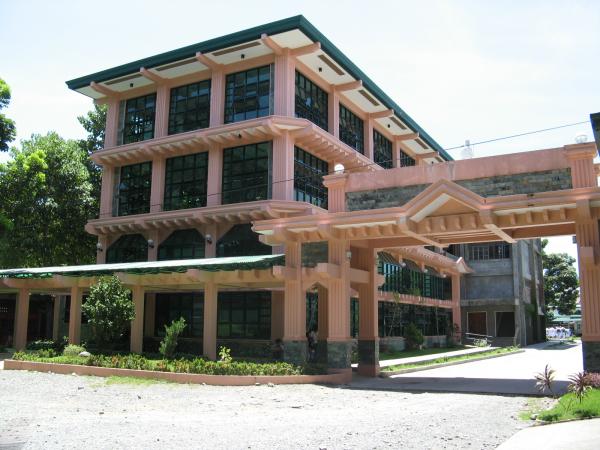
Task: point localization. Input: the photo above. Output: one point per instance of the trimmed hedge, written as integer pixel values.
(196, 365)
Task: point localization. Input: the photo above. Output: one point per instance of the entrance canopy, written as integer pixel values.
(242, 270)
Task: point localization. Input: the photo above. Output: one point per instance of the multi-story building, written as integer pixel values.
(270, 151)
(503, 298)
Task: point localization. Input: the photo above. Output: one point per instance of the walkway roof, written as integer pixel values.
(151, 267)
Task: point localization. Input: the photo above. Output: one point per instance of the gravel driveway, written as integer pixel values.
(39, 410)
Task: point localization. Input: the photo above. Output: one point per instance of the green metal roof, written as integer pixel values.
(151, 267)
(280, 26)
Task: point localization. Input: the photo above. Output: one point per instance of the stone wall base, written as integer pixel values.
(295, 352)
(591, 356)
(368, 357)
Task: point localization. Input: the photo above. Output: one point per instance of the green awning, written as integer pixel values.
(151, 267)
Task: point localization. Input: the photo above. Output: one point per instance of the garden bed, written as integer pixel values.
(198, 370)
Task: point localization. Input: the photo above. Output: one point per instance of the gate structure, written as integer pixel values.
(526, 195)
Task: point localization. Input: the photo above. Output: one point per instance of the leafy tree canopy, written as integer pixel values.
(7, 126)
(561, 282)
(46, 200)
(94, 123)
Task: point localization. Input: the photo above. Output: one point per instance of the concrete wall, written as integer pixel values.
(523, 183)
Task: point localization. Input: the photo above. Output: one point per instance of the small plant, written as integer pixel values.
(481, 342)
(594, 379)
(579, 385)
(109, 310)
(225, 355)
(169, 343)
(545, 380)
(414, 337)
(73, 350)
(41, 345)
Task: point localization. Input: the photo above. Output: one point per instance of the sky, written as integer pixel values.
(462, 69)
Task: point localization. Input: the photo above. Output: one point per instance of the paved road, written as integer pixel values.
(512, 374)
(579, 434)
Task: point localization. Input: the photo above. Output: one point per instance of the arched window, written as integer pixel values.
(182, 244)
(241, 241)
(128, 248)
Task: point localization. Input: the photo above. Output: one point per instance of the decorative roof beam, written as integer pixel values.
(489, 222)
(212, 65)
(307, 49)
(151, 76)
(382, 114)
(406, 137)
(271, 44)
(350, 86)
(101, 89)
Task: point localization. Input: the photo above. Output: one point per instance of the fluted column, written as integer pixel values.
(368, 328)
(209, 338)
(284, 84)
(456, 312)
(22, 319)
(75, 316)
(294, 307)
(137, 324)
(283, 167)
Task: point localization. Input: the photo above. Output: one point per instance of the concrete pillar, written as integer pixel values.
(283, 168)
(334, 113)
(396, 153)
(107, 191)
(209, 339)
(456, 314)
(277, 299)
(285, 81)
(583, 175)
(294, 307)
(75, 316)
(217, 98)
(215, 172)
(369, 138)
(21, 319)
(101, 253)
(56, 317)
(155, 236)
(161, 121)
(137, 324)
(336, 192)
(322, 323)
(112, 123)
(368, 328)
(339, 344)
(157, 185)
(149, 315)
(210, 248)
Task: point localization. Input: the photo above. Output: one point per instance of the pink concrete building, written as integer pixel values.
(261, 185)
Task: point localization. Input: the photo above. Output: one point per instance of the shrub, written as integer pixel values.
(593, 379)
(414, 337)
(41, 345)
(73, 350)
(225, 355)
(109, 309)
(169, 343)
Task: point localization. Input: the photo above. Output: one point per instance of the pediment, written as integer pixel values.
(443, 198)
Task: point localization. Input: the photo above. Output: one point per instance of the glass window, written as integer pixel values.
(493, 250)
(189, 107)
(128, 248)
(352, 129)
(308, 178)
(244, 315)
(172, 306)
(406, 160)
(382, 150)
(134, 189)
(138, 119)
(249, 94)
(240, 240)
(354, 317)
(182, 244)
(185, 181)
(395, 317)
(246, 171)
(311, 101)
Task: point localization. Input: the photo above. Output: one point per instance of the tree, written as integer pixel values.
(109, 310)
(561, 283)
(45, 203)
(7, 126)
(94, 122)
(169, 343)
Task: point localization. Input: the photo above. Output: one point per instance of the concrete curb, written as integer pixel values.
(341, 377)
(387, 374)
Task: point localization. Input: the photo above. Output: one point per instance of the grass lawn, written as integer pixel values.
(411, 353)
(445, 359)
(134, 380)
(568, 407)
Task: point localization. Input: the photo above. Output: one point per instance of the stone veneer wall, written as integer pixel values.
(522, 183)
(314, 252)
